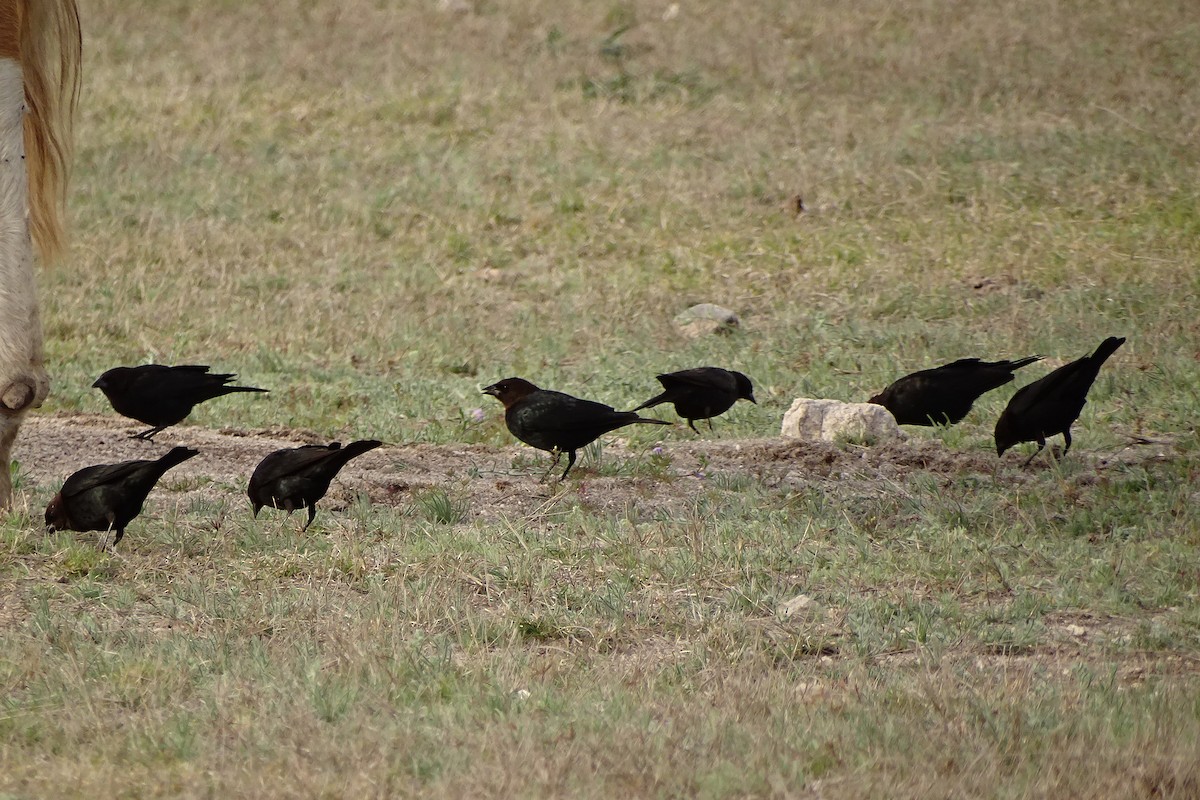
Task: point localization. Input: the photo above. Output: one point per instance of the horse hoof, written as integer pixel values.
(17, 396)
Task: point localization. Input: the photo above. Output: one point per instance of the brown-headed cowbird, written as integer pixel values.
(107, 496)
(162, 396)
(1052, 403)
(557, 422)
(298, 477)
(702, 393)
(943, 395)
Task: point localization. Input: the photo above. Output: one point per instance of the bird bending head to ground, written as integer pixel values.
(162, 396)
(108, 496)
(297, 477)
(702, 393)
(1051, 404)
(557, 422)
(943, 395)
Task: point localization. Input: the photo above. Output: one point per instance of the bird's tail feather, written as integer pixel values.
(176, 456)
(1023, 362)
(653, 401)
(363, 445)
(1107, 348)
(354, 450)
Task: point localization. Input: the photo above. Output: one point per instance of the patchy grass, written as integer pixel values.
(375, 210)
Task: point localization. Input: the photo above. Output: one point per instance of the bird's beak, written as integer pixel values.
(50, 529)
(493, 390)
(752, 400)
(99, 384)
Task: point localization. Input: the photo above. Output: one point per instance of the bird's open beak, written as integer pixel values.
(493, 390)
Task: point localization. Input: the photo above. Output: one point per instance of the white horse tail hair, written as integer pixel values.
(51, 50)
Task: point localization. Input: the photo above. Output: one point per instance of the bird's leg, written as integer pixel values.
(692, 425)
(570, 463)
(312, 514)
(147, 435)
(710, 425)
(1041, 446)
(557, 455)
(111, 546)
(1067, 439)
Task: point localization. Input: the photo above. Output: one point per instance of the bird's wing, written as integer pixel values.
(285, 463)
(156, 373)
(962, 363)
(193, 384)
(705, 377)
(555, 413)
(1046, 389)
(91, 477)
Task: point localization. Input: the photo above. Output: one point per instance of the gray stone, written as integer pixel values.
(705, 319)
(800, 607)
(833, 421)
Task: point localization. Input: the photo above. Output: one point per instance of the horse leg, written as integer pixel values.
(23, 380)
(40, 49)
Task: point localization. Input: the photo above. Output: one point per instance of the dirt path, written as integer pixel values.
(505, 482)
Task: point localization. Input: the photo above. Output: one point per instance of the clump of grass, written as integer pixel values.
(653, 463)
(441, 506)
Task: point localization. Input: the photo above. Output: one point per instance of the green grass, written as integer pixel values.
(375, 210)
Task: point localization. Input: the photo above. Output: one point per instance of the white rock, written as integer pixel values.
(454, 6)
(801, 606)
(833, 420)
(706, 318)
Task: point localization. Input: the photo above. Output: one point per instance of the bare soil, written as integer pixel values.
(498, 482)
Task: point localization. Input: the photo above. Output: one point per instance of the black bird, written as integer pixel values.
(557, 422)
(162, 396)
(1051, 404)
(107, 496)
(702, 393)
(943, 395)
(298, 477)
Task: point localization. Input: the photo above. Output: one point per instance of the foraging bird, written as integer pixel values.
(702, 393)
(162, 396)
(943, 395)
(1052, 403)
(107, 496)
(297, 477)
(557, 422)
